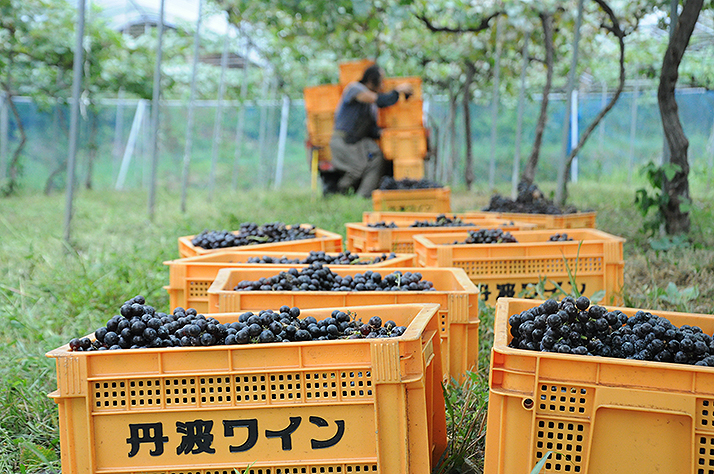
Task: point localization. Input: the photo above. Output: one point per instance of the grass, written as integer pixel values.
(51, 292)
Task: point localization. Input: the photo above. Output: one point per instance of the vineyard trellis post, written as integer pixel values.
(282, 139)
(218, 123)
(74, 118)
(131, 143)
(633, 130)
(4, 134)
(562, 171)
(155, 109)
(192, 98)
(262, 129)
(494, 104)
(574, 132)
(519, 120)
(240, 126)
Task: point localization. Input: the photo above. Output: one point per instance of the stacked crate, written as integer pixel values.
(404, 137)
(320, 104)
(352, 71)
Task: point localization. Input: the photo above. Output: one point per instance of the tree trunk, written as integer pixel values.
(14, 165)
(677, 189)
(469, 161)
(616, 30)
(530, 169)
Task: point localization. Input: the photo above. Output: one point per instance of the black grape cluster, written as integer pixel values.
(559, 237)
(488, 236)
(141, 326)
(388, 182)
(287, 326)
(316, 277)
(574, 327)
(530, 200)
(383, 225)
(342, 258)
(442, 220)
(251, 233)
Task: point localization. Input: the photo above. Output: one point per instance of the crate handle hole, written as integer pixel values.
(528, 403)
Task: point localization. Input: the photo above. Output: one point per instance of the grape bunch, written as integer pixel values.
(317, 277)
(442, 220)
(141, 326)
(342, 258)
(558, 237)
(573, 326)
(530, 200)
(383, 225)
(251, 233)
(488, 236)
(287, 326)
(388, 182)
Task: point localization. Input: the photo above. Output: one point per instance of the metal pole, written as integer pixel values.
(4, 134)
(710, 157)
(450, 175)
(219, 116)
(189, 123)
(262, 131)
(74, 117)
(281, 141)
(119, 125)
(601, 126)
(494, 106)
(519, 123)
(131, 143)
(240, 126)
(574, 133)
(559, 191)
(155, 105)
(271, 131)
(434, 161)
(633, 131)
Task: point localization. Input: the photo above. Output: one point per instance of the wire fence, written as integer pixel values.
(115, 141)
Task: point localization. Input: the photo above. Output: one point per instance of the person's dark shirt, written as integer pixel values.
(359, 119)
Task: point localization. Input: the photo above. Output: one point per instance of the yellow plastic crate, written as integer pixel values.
(403, 144)
(322, 141)
(323, 240)
(403, 114)
(457, 295)
(420, 200)
(389, 83)
(405, 218)
(323, 98)
(190, 278)
(594, 257)
(597, 414)
(320, 123)
(363, 405)
(575, 220)
(412, 169)
(352, 71)
(362, 238)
